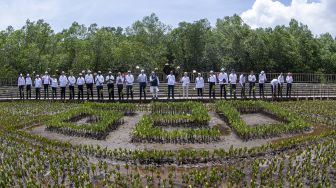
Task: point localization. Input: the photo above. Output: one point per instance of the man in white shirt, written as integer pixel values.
(63, 80)
(72, 82)
(89, 84)
(242, 81)
(212, 85)
(54, 86)
(29, 84)
(171, 84)
(281, 81)
(120, 85)
(185, 80)
(274, 84)
(233, 83)
(110, 85)
(100, 85)
(38, 85)
(223, 81)
(252, 80)
(154, 85)
(46, 82)
(21, 84)
(262, 81)
(142, 79)
(289, 80)
(80, 84)
(199, 81)
(129, 79)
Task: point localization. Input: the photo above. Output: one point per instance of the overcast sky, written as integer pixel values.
(319, 15)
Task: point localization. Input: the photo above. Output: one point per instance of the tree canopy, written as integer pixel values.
(149, 44)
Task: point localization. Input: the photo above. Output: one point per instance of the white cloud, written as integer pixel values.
(319, 16)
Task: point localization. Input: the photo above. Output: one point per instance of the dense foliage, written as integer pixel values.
(150, 43)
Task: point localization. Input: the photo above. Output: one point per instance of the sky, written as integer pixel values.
(319, 15)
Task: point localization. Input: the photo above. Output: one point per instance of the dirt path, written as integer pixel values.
(121, 138)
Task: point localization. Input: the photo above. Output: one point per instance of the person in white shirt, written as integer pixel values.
(154, 85)
(110, 85)
(212, 85)
(29, 84)
(120, 85)
(274, 84)
(89, 84)
(54, 86)
(38, 85)
(185, 80)
(80, 84)
(262, 81)
(281, 83)
(199, 81)
(46, 82)
(223, 81)
(233, 83)
(242, 81)
(252, 80)
(100, 85)
(171, 84)
(63, 80)
(21, 84)
(72, 82)
(289, 80)
(142, 79)
(129, 79)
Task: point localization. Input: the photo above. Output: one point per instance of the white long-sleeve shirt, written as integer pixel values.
(109, 79)
(46, 79)
(262, 78)
(252, 78)
(54, 82)
(129, 79)
(242, 79)
(212, 79)
(142, 78)
(21, 81)
(99, 80)
(80, 81)
(185, 80)
(171, 79)
(29, 81)
(223, 78)
(289, 79)
(199, 82)
(281, 79)
(72, 80)
(63, 80)
(120, 80)
(38, 83)
(89, 79)
(274, 82)
(233, 78)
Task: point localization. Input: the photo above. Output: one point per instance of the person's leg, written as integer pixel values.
(230, 90)
(73, 92)
(141, 90)
(201, 91)
(131, 88)
(109, 90)
(224, 91)
(221, 90)
(290, 90)
(234, 90)
(169, 90)
(183, 91)
(91, 89)
(253, 90)
(210, 90)
(173, 91)
(102, 92)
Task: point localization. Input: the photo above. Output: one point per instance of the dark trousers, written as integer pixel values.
(110, 88)
(80, 92)
(252, 89)
(242, 91)
(273, 91)
(280, 86)
(200, 92)
(63, 93)
(54, 92)
(100, 92)
(171, 91)
(261, 90)
(129, 89)
(46, 91)
(289, 90)
(28, 91)
(223, 87)
(212, 90)
(37, 93)
(21, 92)
(89, 90)
(120, 91)
(72, 92)
(143, 90)
(233, 88)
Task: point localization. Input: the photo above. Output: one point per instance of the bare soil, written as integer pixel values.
(255, 119)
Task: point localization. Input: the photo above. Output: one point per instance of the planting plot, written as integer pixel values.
(257, 119)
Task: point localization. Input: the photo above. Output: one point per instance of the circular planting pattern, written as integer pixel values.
(171, 144)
